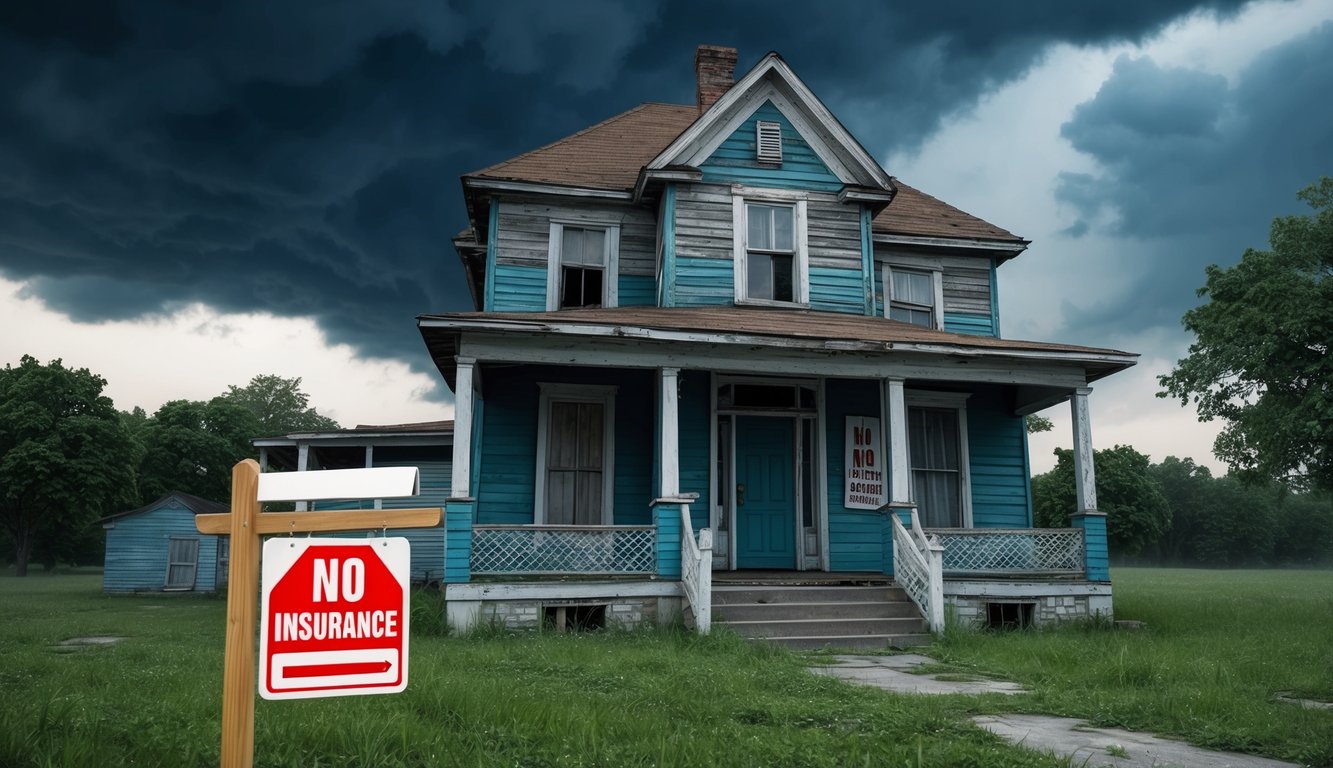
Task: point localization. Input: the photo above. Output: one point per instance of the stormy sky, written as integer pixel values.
(193, 195)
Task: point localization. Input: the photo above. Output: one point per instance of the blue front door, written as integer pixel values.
(765, 498)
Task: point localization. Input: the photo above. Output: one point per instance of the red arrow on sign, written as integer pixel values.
(328, 670)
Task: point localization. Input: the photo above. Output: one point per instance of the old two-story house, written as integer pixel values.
(723, 363)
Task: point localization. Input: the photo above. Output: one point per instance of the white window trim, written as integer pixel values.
(739, 229)
(917, 398)
(577, 393)
(611, 276)
(937, 286)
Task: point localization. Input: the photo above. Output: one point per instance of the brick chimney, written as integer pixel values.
(715, 71)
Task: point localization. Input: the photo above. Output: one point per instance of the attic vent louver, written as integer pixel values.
(768, 141)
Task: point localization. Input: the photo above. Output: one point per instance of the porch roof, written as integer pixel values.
(747, 326)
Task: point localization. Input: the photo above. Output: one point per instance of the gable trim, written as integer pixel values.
(742, 91)
(754, 102)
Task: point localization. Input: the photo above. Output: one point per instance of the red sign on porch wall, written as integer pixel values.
(864, 468)
(334, 617)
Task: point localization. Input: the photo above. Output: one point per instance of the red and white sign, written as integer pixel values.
(864, 464)
(334, 617)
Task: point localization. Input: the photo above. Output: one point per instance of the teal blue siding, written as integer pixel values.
(837, 290)
(519, 289)
(667, 519)
(136, 550)
(458, 519)
(855, 536)
(695, 441)
(636, 291)
(667, 297)
(964, 322)
(508, 460)
(734, 161)
(703, 282)
(1095, 552)
(492, 241)
(997, 462)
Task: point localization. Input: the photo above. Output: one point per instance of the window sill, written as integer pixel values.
(770, 304)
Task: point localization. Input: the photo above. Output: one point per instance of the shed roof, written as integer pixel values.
(196, 505)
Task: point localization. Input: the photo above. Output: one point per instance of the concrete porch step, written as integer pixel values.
(777, 593)
(828, 611)
(861, 614)
(874, 642)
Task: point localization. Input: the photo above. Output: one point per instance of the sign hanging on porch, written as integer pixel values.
(865, 481)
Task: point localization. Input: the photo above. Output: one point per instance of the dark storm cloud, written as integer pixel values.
(304, 159)
(1194, 169)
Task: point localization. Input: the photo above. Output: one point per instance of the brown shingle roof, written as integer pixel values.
(606, 156)
(917, 214)
(784, 323)
(610, 154)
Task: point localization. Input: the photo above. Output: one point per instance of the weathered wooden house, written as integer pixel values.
(156, 548)
(722, 362)
(428, 446)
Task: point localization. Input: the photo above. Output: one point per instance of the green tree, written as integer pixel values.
(1035, 424)
(1136, 511)
(66, 457)
(191, 446)
(1260, 360)
(1187, 488)
(278, 406)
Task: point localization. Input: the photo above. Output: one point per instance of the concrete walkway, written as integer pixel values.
(1082, 743)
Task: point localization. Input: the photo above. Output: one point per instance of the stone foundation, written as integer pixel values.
(975, 604)
(624, 605)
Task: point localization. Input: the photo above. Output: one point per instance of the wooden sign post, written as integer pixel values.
(245, 524)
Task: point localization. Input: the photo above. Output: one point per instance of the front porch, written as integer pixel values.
(626, 466)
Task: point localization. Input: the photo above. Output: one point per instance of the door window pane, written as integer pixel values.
(574, 463)
(934, 451)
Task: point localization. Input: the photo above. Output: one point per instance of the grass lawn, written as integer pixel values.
(1207, 669)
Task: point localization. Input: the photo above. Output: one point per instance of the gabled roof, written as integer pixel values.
(772, 80)
(609, 156)
(195, 504)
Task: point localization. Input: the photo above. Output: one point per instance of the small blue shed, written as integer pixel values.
(156, 548)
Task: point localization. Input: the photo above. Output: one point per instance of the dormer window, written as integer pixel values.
(583, 266)
(770, 249)
(768, 142)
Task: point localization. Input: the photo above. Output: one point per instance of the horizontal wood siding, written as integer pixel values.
(436, 467)
(523, 240)
(855, 542)
(997, 462)
(694, 424)
(509, 442)
(833, 230)
(520, 288)
(976, 325)
(735, 159)
(836, 290)
(636, 291)
(136, 551)
(704, 282)
(966, 283)
(703, 222)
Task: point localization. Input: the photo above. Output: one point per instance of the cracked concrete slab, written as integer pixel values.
(1093, 747)
(888, 673)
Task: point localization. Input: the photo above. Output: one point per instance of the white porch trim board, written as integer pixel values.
(460, 485)
(1085, 480)
(668, 432)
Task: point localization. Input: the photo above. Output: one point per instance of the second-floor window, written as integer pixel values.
(770, 252)
(912, 296)
(582, 270)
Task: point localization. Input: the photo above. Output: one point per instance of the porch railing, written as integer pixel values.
(1011, 551)
(917, 568)
(696, 570)
(547, 550)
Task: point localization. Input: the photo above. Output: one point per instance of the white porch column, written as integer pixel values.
(900, 470)
(1085, 481)
(302, 464)
(668, 434)
(460, 484)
